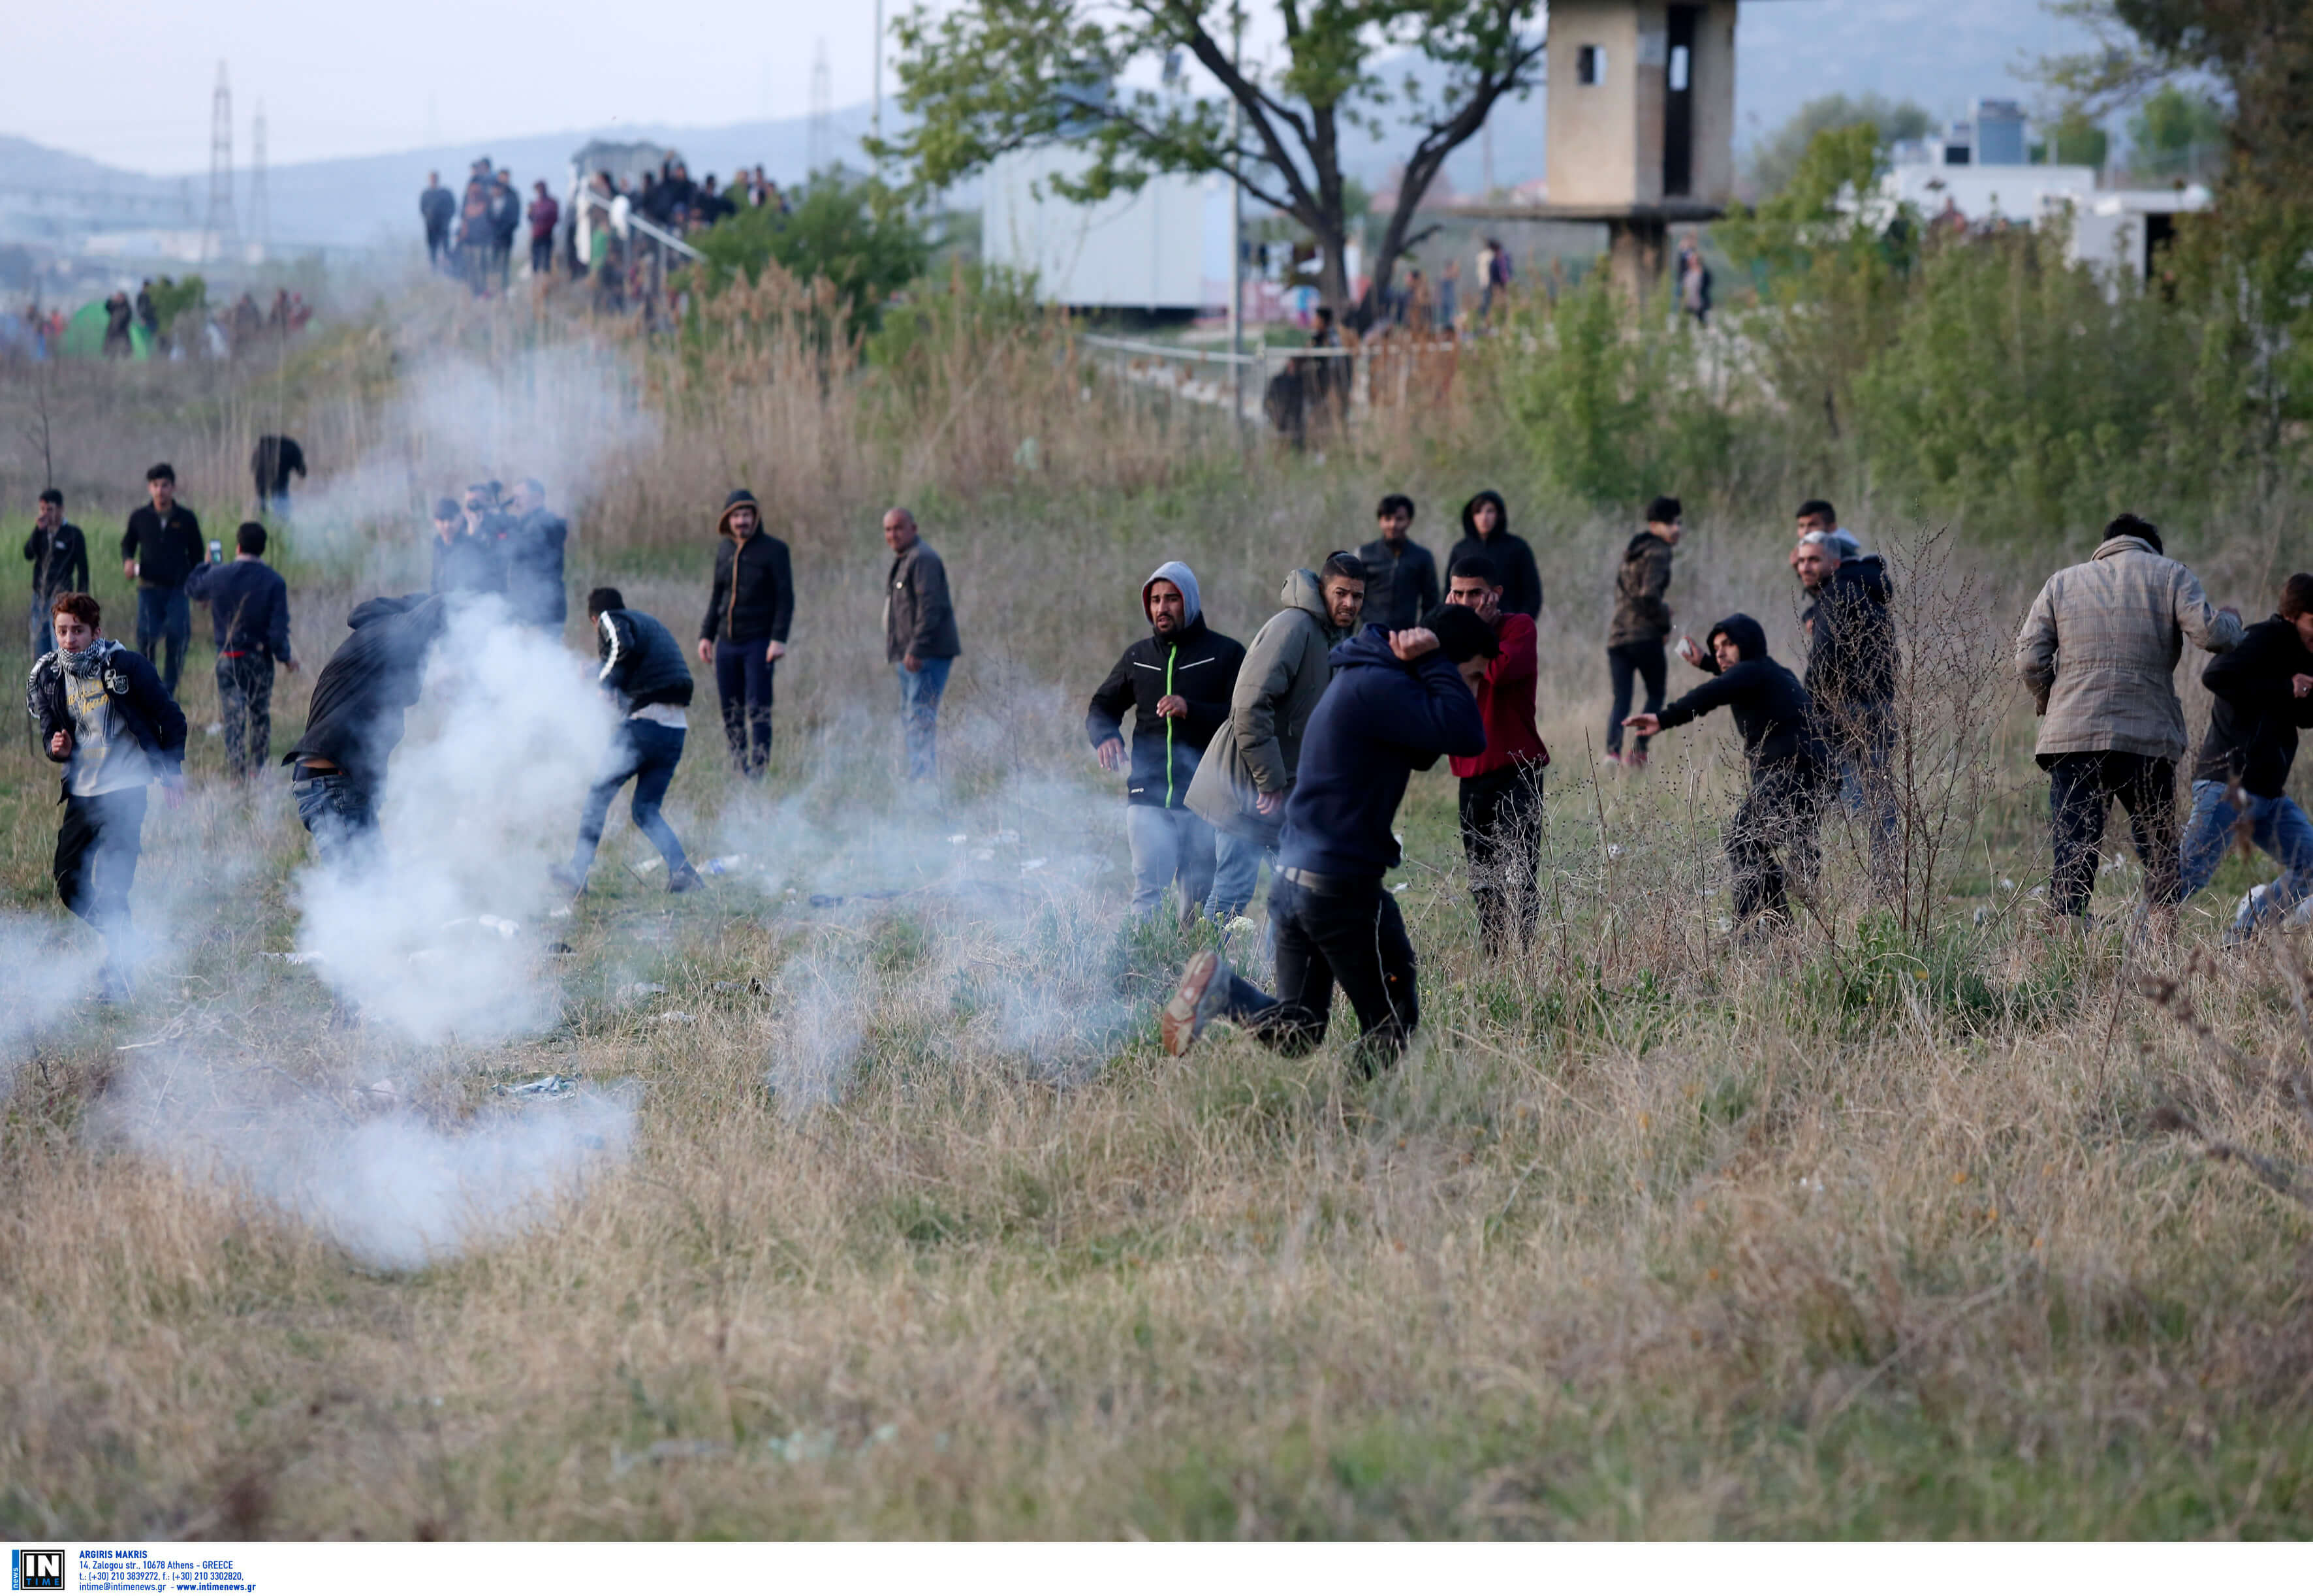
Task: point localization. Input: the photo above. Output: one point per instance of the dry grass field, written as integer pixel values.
(877, 1211)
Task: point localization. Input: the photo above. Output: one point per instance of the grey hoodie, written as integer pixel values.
(1258, 749)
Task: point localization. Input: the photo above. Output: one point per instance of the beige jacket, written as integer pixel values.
(2099, 650)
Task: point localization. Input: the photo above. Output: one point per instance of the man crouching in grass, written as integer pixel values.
(1398, 702)
(105, 717)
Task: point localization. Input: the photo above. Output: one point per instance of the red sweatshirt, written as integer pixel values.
(1506, 701)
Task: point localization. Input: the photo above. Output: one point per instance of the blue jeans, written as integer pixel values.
(1236, 872)
(919, 701)
(1167, 843)
(743, 680)
(646, 753)
(340, 812)
(2276, 825)
(164, 615)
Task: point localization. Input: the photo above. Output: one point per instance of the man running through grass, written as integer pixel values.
(644, 670)
(2263, 692)
(104, 714)
(1397, 703)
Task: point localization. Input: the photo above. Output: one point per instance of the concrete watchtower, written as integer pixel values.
(1641, 120)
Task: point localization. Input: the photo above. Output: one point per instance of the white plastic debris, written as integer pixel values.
(1613, 850)
(725, 865)
(559, 914)
(293, 957)
(503, 927)
(959, 839)
(217, 728)
(634, 990)
(1401, 886)
(674, 1017)
(647, 865)
(1812, 1184)
(2006, 885)
(549, 1086)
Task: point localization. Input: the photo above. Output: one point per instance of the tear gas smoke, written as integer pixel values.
(437, 934)
(565, 414)
(395, 1189)
(44, 971)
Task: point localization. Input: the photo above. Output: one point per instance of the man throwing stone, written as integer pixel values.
(1398, 701)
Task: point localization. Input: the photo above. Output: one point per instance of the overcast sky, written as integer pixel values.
(134, 88)
(371, 78)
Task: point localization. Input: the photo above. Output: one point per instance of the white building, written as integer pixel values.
(2119, 229)
(1166, 248)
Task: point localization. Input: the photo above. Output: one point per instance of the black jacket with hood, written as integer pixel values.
(1852, 657)
(2254, 723)
(642, 663)
(354, 720)
(532, 547)
(1195, 662)
(1772, 710)
(1512, 558)
(146, 711)
(754, 600)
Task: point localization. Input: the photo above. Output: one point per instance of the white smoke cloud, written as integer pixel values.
(392, 1187)
(45, 970)
(443, 933)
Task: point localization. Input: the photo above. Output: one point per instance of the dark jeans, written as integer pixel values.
(646, 753)
(1623, 660)
(1355, 937)
(743, 678)
(437, 246)
(1782, 810)
(164, 615)
(1501, 837)
(340, 812)
(2080, 791)
(97, 848)
(541, 257)
(245, 701)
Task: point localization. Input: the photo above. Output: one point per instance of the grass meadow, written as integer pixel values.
(1922, 1220)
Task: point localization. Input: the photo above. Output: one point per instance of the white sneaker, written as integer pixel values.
(1194, 1004)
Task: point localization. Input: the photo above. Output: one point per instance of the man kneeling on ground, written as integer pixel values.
(644, 670)
(1398, 702)
(354, 722)
(104, 716)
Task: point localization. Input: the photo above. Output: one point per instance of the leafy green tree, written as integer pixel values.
(855, 235)
(2169, 132)
(992, 77)
(2076, 140)
(1776, 160)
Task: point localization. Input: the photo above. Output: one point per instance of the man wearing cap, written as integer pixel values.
(1398, 702)
(745, 632)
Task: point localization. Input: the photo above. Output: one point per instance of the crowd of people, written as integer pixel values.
(1292, 754)
(473, 235)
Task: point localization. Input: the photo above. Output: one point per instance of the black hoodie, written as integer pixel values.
(1195, 662)
(1513, 560)
(1772, 709)
(1851, 659)
(2253, 724)
(354, 719)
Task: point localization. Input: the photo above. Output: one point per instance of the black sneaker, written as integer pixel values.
(685, 879)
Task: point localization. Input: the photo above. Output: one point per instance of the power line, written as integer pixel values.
(260, 215)
(820, 147)
(218, 228)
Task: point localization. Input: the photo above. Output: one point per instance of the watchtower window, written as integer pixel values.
(1590, 66)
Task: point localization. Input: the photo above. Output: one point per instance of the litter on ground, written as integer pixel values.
(549, 1086)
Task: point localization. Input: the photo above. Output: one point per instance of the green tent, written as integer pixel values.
(85, 335)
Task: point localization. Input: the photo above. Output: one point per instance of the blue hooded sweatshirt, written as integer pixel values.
(1380, 721)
